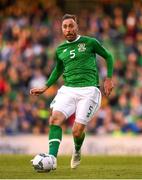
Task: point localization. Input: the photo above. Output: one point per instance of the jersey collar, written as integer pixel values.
(78, 37)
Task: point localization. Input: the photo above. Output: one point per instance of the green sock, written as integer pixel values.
(55, 137)
(79, 141)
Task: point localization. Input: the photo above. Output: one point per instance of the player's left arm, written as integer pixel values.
(108, 83)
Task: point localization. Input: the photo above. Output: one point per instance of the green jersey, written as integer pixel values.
(76, 60)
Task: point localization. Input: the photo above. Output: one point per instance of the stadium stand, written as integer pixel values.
(29, 34)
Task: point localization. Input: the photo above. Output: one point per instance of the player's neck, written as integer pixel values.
(76, 39)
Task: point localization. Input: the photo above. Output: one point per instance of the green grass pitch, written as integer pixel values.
(92, 167)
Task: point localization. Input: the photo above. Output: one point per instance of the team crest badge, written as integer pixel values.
(81, 47)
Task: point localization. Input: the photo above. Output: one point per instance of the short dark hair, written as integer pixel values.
(69, 16)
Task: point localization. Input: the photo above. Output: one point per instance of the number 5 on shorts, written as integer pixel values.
(90, 111)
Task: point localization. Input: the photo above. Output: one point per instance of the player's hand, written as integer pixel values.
(38, 91)
(108, 86)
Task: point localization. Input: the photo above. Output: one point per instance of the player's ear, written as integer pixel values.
(76, 27)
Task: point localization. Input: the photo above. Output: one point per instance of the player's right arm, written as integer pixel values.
(56, 73)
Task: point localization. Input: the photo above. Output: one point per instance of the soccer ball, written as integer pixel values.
(44, 162)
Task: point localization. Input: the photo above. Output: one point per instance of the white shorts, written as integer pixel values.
(83, 101)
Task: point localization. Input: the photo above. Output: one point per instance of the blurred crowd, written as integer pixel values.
(29, 35)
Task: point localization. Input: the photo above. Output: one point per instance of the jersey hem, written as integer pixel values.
(83, 85)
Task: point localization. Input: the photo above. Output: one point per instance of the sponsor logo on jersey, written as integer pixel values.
(81, 47)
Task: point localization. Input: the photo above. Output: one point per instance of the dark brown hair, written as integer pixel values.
(69, 16)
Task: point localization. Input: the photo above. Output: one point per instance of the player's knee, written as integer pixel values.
(56, 119)
(76, 133)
